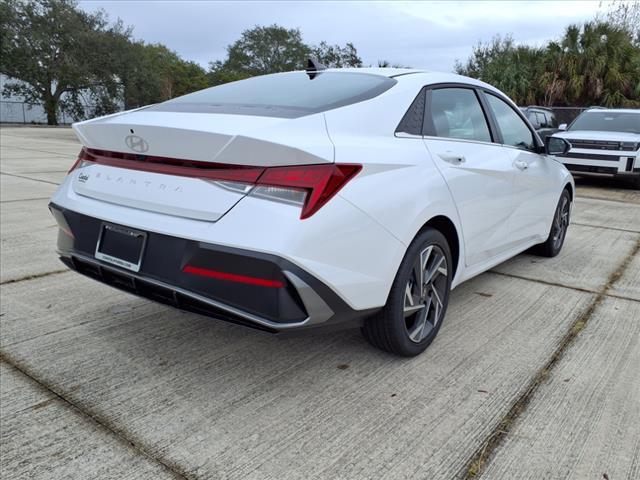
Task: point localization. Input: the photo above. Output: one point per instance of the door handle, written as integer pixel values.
(521, 165)
(452, 158)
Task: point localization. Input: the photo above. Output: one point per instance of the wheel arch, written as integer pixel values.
(447, 228)
(568, 187)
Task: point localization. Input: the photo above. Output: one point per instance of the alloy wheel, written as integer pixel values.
(560, 223)
(425, 293)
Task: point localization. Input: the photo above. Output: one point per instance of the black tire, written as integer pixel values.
(399, 333)
(552, 246)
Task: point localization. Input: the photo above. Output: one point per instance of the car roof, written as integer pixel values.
(614, 110)
(384, 71)
(533, 107)
(413, 76)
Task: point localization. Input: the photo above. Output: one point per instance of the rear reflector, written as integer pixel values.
(313, 185)
(232, 277)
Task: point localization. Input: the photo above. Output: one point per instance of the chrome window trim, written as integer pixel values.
(406, 135)
(464, 140)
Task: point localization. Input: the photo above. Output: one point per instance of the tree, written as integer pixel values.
(272, 49)
(597, 63)
(335, 56)
(511, 68)
(388, 64)
(625, 15)
(151, 73)
(55, 49)
(263, 50)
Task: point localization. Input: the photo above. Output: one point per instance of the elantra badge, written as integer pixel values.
(136, 143)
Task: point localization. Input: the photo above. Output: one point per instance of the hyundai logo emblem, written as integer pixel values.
(136, 143)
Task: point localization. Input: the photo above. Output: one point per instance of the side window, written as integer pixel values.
(414, 117)
(542, 121)
(551, 120)
(533, 118)
(456, 113)
(514, 131)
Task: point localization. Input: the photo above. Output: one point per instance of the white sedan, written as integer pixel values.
(314, 199)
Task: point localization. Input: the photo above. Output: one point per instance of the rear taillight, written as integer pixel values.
(310, 186)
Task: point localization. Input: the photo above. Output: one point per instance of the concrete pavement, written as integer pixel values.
(125, 388)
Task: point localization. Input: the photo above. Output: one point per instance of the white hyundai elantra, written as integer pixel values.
(314, 199)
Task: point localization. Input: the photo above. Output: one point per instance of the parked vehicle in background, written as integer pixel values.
(314, 199)
(543, 120)
(604, 141)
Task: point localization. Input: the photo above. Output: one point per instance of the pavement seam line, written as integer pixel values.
(29, 178)
(605, 199)
(477, 463)
(173, 469)
(561, 285)
(605, 228)
(34, 277)
(2, 202)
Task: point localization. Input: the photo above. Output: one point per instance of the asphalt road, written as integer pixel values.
(535, 373)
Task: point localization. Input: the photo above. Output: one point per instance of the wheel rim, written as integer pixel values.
(560, 222)
(425, 293)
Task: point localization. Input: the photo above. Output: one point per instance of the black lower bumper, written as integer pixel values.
(299, 301)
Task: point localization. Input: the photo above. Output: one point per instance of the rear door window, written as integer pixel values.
(456, 113)
(515, 132)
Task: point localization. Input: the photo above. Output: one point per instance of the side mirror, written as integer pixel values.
(556, 146)
(562, 127)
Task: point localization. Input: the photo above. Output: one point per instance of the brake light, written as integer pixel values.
(320, 182)
(310, 186)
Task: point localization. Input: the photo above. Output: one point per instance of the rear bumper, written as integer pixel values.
(300, 302)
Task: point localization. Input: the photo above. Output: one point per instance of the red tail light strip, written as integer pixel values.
(173, 166)
(232, 277)
(321, 182)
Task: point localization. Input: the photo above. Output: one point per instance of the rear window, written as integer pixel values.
(286, 95)
(608, 122)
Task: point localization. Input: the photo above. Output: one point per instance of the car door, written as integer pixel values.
(478, 172)
(535, 188)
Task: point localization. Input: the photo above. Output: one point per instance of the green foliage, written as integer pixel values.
(388, 64)
(597, 63)
(151, 73)
(263, 50)
(272, 49)
(335, 56)
(67, 59)
(55, 49)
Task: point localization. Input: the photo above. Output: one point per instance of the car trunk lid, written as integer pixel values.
(189, 164)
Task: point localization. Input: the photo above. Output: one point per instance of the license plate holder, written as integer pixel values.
(121, 246)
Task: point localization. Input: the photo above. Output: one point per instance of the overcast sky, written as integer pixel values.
(430, 35)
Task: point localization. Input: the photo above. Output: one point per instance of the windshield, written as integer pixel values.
(283, 94)
(608, 122)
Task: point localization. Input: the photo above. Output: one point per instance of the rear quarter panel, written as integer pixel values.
(399, 186)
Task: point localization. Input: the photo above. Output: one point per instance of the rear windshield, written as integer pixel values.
(608, 122)
(286, 95)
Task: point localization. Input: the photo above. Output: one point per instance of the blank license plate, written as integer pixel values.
(121, 246)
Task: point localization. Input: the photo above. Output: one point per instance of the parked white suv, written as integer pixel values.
(604, 141)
